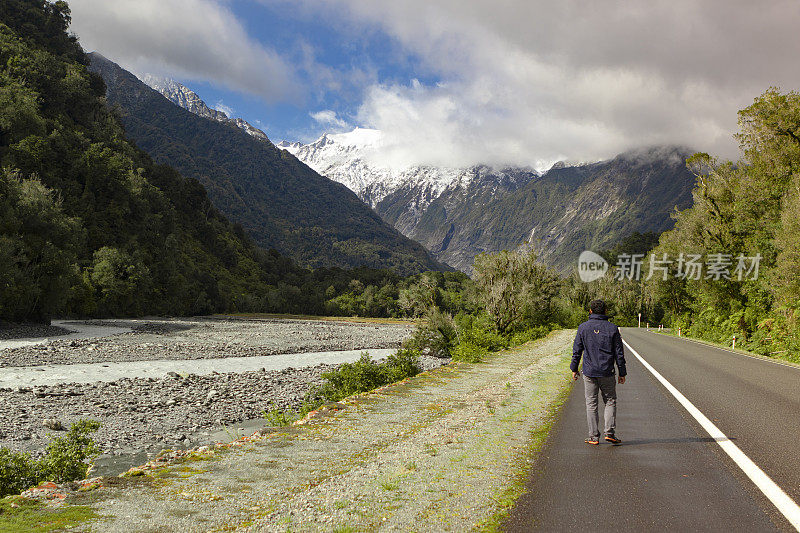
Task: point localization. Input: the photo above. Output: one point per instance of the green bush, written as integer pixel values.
(481, 331)
(537, 332)
(67, 456)
(18, 472)
(367, 374)
(477, 336)
(65, 460)
(276, 417)
(469, 352)
(435, 335)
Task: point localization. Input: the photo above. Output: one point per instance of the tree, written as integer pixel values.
(119, 280)
(38, 247)
(515, 289)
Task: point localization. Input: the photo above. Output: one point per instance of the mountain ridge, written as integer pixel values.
(186, 98)
(280, 201)
(458, 213)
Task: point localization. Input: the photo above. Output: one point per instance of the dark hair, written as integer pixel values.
(598, 307)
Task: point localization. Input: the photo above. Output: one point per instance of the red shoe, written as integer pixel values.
(592, 440)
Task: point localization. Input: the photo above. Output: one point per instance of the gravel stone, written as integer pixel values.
(144, 415)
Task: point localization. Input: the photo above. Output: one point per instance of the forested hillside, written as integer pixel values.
(567, 210)
(91, 226)
(748, 208)
(280, 201)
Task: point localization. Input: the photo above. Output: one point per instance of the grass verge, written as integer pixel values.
(518, 486)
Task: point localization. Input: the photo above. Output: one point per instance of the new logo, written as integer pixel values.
(591, 266)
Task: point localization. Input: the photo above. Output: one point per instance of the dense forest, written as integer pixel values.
(91, 226)
(749, 211)
(731, 265)
(281, 202)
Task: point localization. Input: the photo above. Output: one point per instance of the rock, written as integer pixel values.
(52, 423)
(173, 375)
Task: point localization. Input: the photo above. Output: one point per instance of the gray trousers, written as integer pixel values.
(607, 387)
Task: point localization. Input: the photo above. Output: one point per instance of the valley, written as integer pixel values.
(371, 325)
(459, 212)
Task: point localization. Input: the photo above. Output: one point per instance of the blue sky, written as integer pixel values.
(349, 55)
(462, 82)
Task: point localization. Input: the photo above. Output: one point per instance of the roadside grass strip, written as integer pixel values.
(448, 449)
(785, 505)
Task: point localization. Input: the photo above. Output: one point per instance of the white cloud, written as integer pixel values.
(328, 118)
(195, 39)
(228, 110)
(533, 81)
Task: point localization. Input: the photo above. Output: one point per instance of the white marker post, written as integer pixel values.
(640, 320)
(734, 343)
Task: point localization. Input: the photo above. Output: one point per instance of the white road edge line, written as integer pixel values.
(771, 490)
(757, 358)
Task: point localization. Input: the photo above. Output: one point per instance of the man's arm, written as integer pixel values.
(619, 352)
(577, 351)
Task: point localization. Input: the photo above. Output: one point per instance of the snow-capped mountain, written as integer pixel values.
(457, 213)
(352, 159)
(460, 212)
(186, 98)
(403, 197)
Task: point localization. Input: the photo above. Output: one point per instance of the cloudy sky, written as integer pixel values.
(459, 82)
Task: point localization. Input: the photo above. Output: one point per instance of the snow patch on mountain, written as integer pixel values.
(186, 98)
(353, 159)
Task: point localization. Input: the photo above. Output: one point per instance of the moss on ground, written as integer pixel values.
(22, 514)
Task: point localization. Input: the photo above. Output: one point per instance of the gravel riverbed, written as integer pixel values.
(208, 338)
(177, 410)
(11, 330)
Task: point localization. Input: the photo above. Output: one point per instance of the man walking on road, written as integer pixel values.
(600, 343)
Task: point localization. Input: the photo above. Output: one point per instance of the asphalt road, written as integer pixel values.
(669, 474)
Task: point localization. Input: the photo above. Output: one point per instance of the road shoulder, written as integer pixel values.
(442, 451)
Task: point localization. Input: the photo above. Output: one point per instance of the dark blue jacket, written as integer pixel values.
(601, 344)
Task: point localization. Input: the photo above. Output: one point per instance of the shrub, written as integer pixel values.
(401, 365)
(469, 352)
(435, 336)
(367, 374)
(67, 456)
(18, 472)
(537, 332)
(276, 417)
(65, 460)
(477, 336)
(481, 331)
